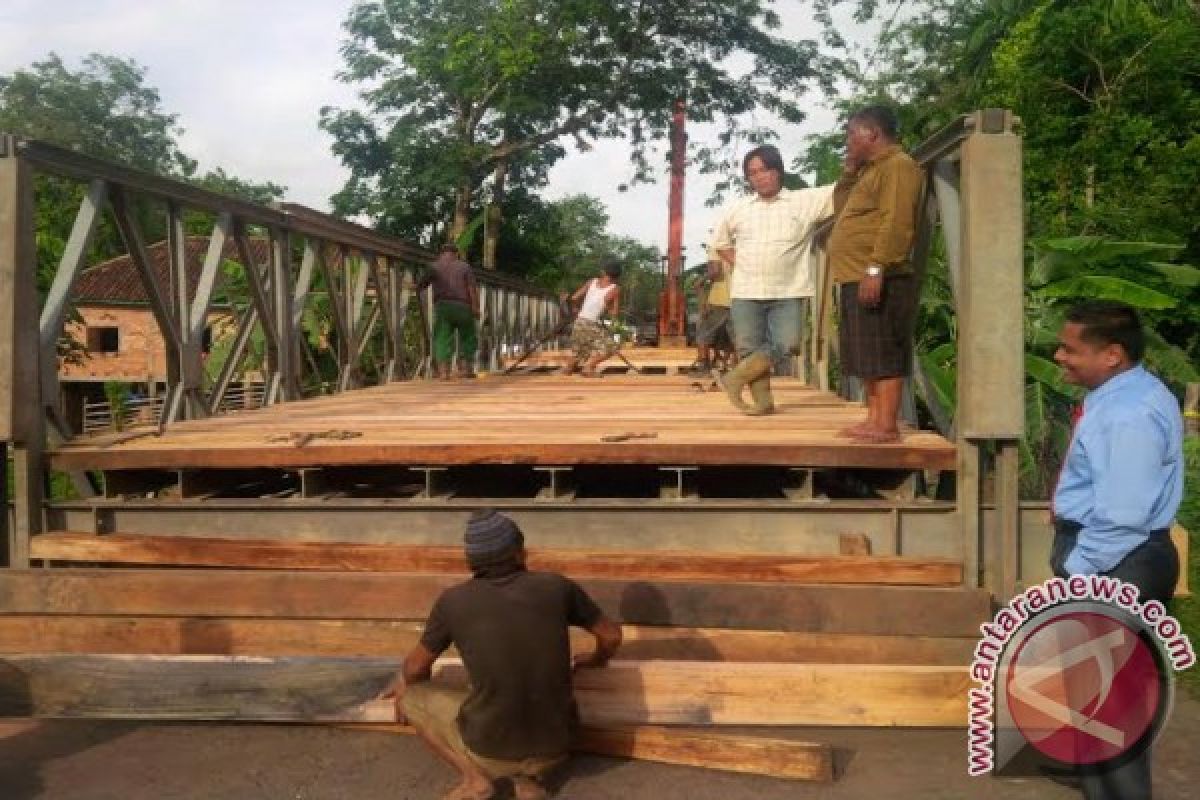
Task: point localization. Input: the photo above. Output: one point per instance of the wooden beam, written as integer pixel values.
(192, 687)
(347, 690)
(889, 610)
(789, 759)
(640, 565)
(754, 755)
(788, 454)
(140, 635)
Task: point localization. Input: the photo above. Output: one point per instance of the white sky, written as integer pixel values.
(247, 80)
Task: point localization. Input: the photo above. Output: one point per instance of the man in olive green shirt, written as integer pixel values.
(876, 204)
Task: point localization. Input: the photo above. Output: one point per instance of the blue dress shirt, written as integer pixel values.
(1123, 475)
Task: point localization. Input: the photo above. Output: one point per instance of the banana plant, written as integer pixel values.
(1060, 273)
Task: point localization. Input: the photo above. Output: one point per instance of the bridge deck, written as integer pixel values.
(528, 419)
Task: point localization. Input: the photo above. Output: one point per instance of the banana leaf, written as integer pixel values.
(1169, 362)
(1182, 275)
(1046, 373)
(1104, 287)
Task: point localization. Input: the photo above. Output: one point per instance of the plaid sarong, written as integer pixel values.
(877, 342)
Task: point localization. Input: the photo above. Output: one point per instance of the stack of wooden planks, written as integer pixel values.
(157, 627)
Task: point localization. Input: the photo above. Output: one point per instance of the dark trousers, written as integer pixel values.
(1153, 567)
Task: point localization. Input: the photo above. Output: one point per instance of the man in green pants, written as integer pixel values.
(455, 311)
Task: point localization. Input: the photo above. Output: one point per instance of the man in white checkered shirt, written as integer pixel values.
(766, 241)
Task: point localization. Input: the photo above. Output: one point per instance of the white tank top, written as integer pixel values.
(593, 301)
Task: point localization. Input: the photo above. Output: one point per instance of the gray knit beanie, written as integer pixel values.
(491, 538)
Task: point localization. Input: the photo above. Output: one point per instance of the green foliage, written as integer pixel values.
(1110, 113)
(1188, 609)
(560, 244)
(117, 394)
(105, 109)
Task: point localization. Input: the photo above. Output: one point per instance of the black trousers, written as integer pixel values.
(1153, 567)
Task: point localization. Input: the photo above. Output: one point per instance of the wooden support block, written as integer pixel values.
(1179, 536)
(348, 690)
(888, 610)
(854, 544)
(143, 635)
(666, 565)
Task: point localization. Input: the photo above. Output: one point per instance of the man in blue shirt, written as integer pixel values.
(1121, 482)
(1122, 479)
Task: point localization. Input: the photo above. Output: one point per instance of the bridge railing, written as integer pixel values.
(362, 281)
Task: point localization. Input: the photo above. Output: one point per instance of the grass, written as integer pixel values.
(1187, 610)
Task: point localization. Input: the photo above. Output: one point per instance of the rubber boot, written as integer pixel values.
(750, 368)
(760, 394)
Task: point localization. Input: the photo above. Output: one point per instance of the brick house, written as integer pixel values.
(116, 329)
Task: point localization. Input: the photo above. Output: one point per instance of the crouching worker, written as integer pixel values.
(510, 626)
(591, 342)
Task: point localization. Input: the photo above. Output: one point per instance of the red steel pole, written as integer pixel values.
(672, 317)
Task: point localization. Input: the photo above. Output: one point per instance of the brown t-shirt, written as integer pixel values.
(452, 280)
(511, 632)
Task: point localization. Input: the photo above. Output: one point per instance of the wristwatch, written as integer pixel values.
(874, 271)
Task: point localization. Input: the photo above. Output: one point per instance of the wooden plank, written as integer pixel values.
(822, 453)
(773, 757)
(479, 422)
(753, 755)
(192, 687)
(356, 637)
(889, 610)
(639, 565)
(856, 544)
(337, 689)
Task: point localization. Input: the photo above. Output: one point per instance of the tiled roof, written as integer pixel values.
(118, 282)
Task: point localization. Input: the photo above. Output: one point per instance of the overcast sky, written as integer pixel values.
(247, 80)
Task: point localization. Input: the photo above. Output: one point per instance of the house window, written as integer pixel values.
(103, 340)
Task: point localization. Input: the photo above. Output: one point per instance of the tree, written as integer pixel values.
(1110, 111)
(106, 110)
(460, 92)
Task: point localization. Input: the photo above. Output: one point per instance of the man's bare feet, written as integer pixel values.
(528, 789)
(470, 790)
(854, 430)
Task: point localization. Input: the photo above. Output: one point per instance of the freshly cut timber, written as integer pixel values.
(373, 637)
(887, 610)
(667, 565)
(348, 690)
